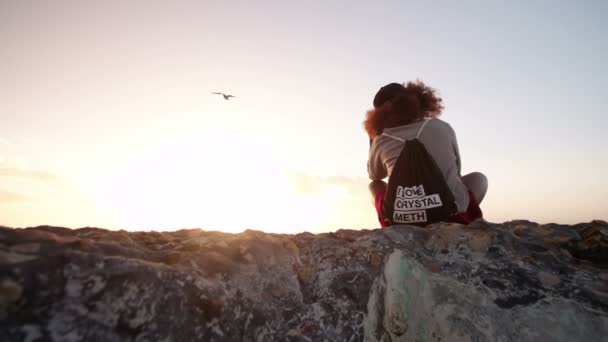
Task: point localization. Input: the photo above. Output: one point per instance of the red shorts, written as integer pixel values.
(473, 210)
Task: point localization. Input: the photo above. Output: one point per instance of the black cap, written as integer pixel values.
(386, 93)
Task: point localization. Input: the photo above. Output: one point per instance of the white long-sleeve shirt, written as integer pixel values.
(438, 138)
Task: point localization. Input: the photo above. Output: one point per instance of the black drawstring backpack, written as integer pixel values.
(417, 193)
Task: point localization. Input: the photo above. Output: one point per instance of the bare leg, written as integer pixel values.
(375, 187)
(477, 182)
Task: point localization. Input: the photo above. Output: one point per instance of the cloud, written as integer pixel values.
(29, 174)
(7, 196)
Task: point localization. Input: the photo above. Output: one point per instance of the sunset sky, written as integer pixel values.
(106, 116)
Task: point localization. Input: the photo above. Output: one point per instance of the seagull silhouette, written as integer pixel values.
(226, 96)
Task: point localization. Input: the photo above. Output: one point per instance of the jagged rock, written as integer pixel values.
(517, 281)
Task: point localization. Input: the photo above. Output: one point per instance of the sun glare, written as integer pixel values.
(214, 182)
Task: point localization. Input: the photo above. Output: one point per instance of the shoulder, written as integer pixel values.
(436, 122)
(440, 126)
(378, 141)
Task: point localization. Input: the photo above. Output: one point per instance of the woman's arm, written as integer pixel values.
(375, 166)
(456, 149)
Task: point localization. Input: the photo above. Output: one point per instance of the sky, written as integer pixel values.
(107, 117)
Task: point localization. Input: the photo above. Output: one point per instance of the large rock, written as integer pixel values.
(518, 281)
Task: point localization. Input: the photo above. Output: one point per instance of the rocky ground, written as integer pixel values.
(517, 281)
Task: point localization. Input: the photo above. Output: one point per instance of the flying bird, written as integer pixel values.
(226, 96)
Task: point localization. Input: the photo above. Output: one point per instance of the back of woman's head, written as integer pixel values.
(397, 104)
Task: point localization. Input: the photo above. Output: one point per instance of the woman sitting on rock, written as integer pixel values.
(419, 154)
